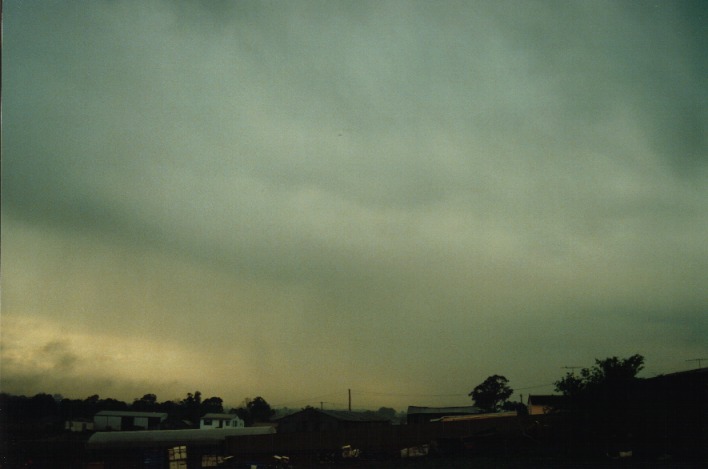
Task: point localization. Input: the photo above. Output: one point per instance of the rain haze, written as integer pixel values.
(401, 198)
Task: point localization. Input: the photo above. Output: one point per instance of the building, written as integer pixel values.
(211, 421)
(108, 420)
(545, 404)
(316, 420)
(426, 414)
(78, 425)
(164, 448)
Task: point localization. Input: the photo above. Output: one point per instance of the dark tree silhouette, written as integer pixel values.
(602, 404)
(492, 394)
(259, 410)
(212, 405)
(610, 374)
(147, 403)
(190, 407)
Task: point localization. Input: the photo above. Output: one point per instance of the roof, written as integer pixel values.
(220, 416)
(121, 413)
(352, 416)
(444, 410)
(166, 438)
(677, 374)
(343, 415)
(463, 418)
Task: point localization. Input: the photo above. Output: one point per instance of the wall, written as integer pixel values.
(106, 422)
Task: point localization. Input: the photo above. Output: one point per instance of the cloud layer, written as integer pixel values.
(400, 198)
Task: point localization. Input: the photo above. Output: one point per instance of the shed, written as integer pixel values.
(122, 420)
(316, 420)
(165, 448)
(426, 414)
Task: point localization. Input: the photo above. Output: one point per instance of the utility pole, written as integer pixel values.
(350, 399)
(321, 405)
(699, 360)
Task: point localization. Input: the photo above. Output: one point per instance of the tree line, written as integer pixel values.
(46, 410)
(607, 382)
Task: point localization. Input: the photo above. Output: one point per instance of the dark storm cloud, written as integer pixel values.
(342, 175)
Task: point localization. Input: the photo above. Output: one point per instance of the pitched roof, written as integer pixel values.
(352, 416)
(343, 415)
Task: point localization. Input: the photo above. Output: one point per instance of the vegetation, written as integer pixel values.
(608, 410)
(254, 411)
(492, 394)
(610, 375)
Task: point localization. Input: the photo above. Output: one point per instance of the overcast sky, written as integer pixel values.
(401, 198)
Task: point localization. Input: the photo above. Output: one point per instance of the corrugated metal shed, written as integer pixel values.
(167, 438)
(466, 410)
(123, 413)
(426, 414)
(220, 416)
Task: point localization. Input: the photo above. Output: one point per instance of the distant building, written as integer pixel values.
(78, 425)
(316, 420)
(108, 420)
(426, 414)
(211, 421)
(545, 404)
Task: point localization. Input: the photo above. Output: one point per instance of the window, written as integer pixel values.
(178, 457)
(211, 460)
(207, 422)
(227, 423)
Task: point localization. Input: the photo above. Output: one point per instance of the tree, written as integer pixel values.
(190, 407)
(213, 405)
(492, 394)
(602, 404)
(609, 375)
(387, 413)
(259, 409)
(147, 403)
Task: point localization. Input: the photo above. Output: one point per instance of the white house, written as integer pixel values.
(121, 420)
(211, 421)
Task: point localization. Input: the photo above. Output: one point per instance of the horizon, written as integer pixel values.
(294, 199)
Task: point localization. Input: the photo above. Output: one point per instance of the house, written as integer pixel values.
(316, 420)
(211, 421)
(545, 404)
(427, 414)
(107, 420)
(671, 414)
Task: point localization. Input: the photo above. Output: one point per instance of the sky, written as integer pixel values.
(398, 198)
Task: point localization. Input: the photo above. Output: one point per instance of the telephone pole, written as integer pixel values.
(350, 399)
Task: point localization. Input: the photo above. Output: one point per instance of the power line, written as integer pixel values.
(699, 360)
(375, 393)
(534, 387)
(307, 400)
